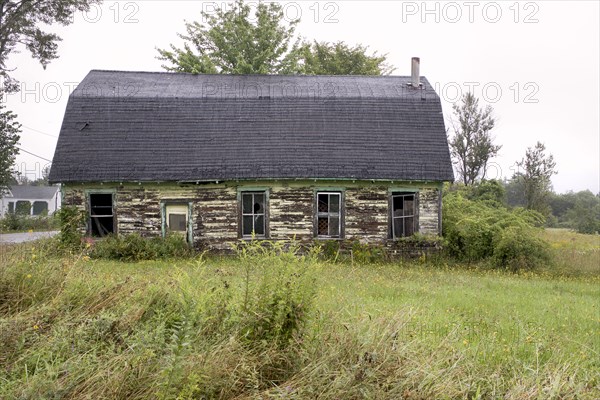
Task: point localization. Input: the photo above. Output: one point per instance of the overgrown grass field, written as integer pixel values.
(271, 325)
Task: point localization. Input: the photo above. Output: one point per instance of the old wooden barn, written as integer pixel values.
(223, 157)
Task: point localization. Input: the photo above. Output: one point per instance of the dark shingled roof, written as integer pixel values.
(148, 126)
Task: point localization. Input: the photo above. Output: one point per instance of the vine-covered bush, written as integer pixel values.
(518, 248)
(71, 220)
(477, 230)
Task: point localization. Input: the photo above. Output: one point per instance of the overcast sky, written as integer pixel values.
(536, 63)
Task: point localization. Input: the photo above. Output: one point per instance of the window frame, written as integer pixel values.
(164, 204)
(266, 213)
(415, 215)
(88, 194)
(340, 214)
(33, 210)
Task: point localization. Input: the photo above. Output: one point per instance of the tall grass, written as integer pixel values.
(271, 323)
(574, 254)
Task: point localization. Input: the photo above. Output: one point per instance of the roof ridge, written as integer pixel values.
(252, 75)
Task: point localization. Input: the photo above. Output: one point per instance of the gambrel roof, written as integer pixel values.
(158, 126)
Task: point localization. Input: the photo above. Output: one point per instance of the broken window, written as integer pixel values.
(40, 207)
(329, 214)
(102, 221)
(403, 214)
(253, 214)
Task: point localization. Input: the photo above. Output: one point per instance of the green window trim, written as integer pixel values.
(163, 217)
(327, 211)
(403, 221)
(254, 215)
(89, 209)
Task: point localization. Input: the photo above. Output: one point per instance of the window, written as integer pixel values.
(403, 214)
(40, 207)
(253, 214)
(102, 221)
(176, 218)
(329, 215)
(177, 215)
(23, 207)
(11, 207)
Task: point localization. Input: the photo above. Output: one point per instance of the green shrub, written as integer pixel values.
(350, 250)
(518, 248)
(278, 291)
(71, 221)
(12, 222)
(479, 230)
(490, 191)
(365, 253)
(17, 222)
(134, 247)
(329, 249)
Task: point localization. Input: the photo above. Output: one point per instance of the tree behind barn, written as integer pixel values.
(536, 170)
(321, 58)
(233, 41)
(471, 145)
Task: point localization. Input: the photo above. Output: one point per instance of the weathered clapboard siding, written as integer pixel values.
(138, 210)
(215, 210)
(367, 212)
(215, 218)
(73, 197)
(291, 213)
(429, 211)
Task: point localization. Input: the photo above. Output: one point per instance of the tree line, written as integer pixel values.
(472, 147)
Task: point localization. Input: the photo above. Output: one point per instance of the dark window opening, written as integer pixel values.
(11, 207)
(40, 207)
(329, 215)
(177, 222)
(23, 207)
(253, 213)
(102, 220)
(403, 214)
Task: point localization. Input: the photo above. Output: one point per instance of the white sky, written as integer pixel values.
(536, 63)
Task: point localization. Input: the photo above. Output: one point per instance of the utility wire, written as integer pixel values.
(35, 155)
(38, 131)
